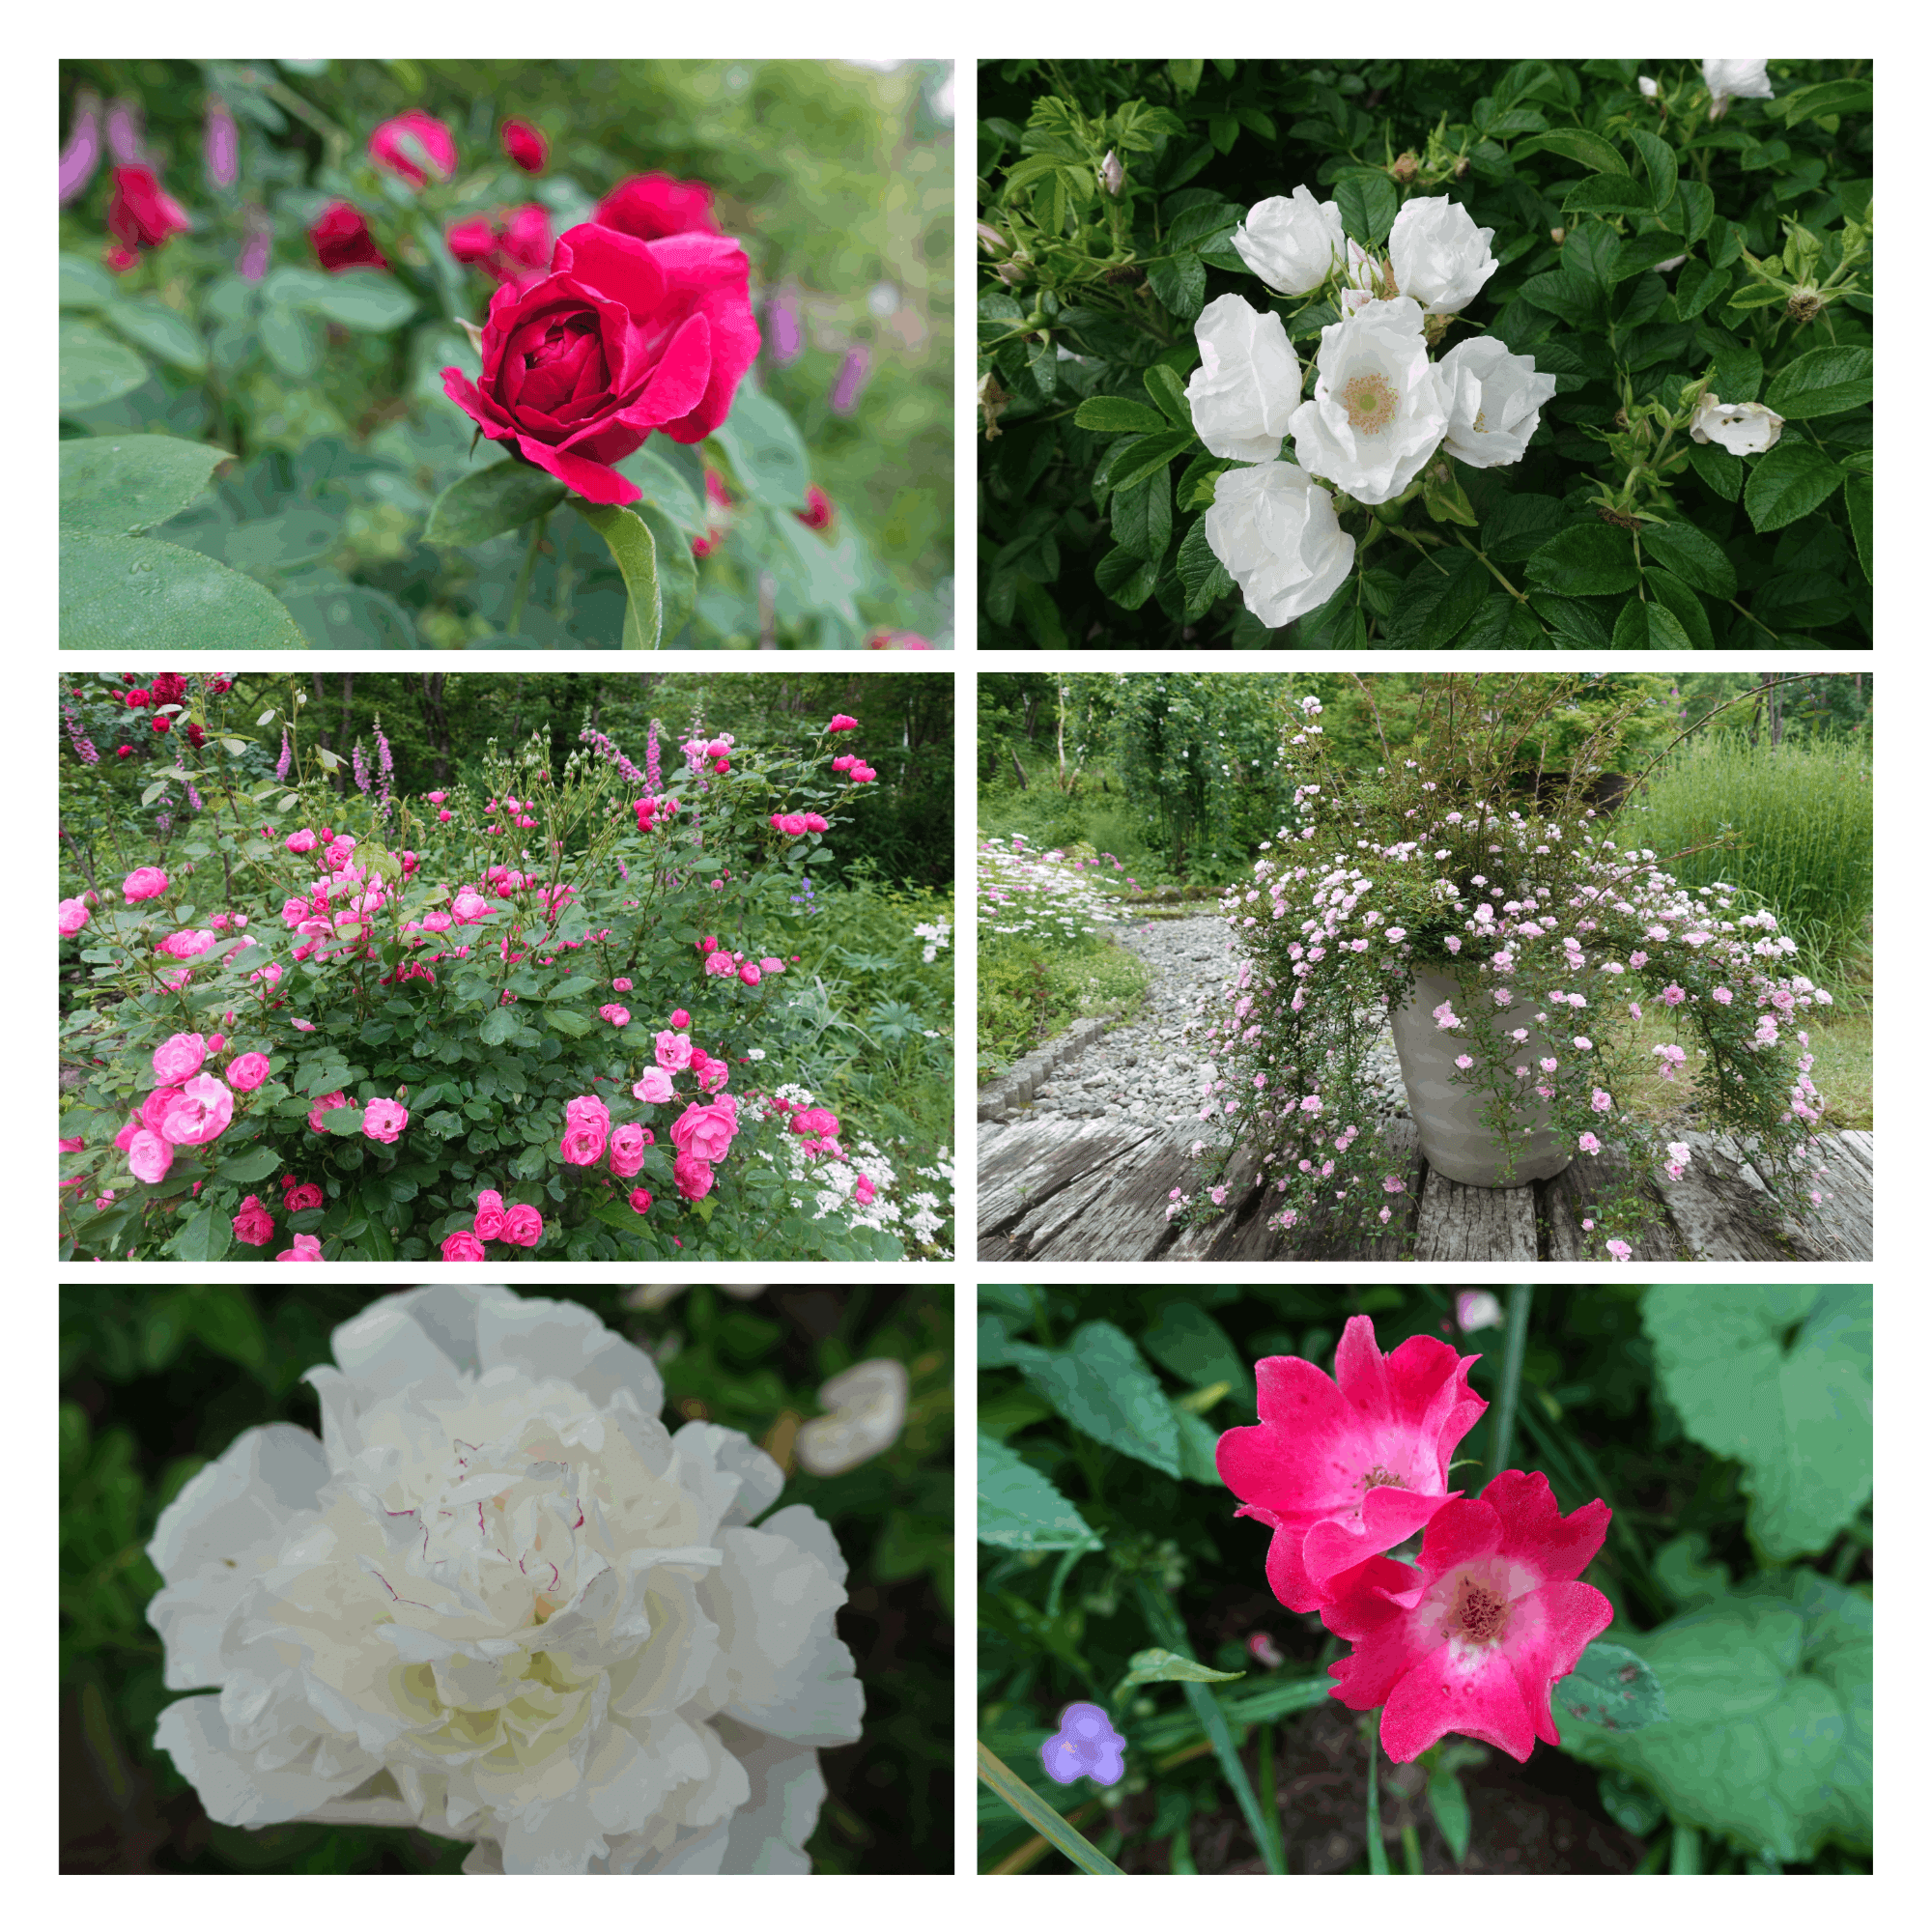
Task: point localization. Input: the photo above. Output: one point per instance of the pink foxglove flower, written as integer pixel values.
(1342, 1471)
(1473, 1637)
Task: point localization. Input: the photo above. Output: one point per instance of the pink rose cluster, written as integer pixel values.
(187, 1106)
(1474, 1634)
(795, 824)
(723, 964)
(518, 1224)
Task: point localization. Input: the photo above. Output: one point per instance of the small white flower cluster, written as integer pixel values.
(1040, 895)
(938, 935)
(1379, 409)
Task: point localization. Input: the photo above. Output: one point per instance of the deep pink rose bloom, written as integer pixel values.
(145, 882)
(817, 512)
(844, 761)
(627, 1150)
(254, 1224)
(819, 1120)
(72, 1145)
(1474, 1636)
(815, 823)
(719, 966)
(341, 239)
(715, 1074)
(792, 824)
(749, 973)
(862, 1191)
(841, 723)
(178, 1058)
(863, 775)
(299, 1200)
(247, 1070)
(896, 640)
(462, 1246)
(622, 337)
(306, 1249)
(588, 1107)
(72, 916)
(384, 1119)
(586, 1123)
(142, 213)
(616, 1016)
(620, 985)
(304, 840)
(525, 146)
(680, 1019)
(654, 1086)
(706, 1131)
(640, 1200)
(653, 206)
(325, 1104)
(200, 1115)
(523, 1226)
(395, 146)
(187, 944)
(770, 965)
(693, 1176)
(673, 1049)
(488, 1215)
(150, 1156)
(1342, 1471)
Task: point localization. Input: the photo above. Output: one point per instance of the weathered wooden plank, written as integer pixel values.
(1475, 1223)
(1405, 1158)
(1860, 1145)
(1027, 1164)
(1717, 1215)
(1205, 1240)
(1577, 1194)
(1127, 1220)
(1839, 1228)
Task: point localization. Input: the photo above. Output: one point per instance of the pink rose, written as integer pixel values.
(186, 945)
(583, 1143)
(863, 1193)
(616, 1016)
(384, 1119)
(841, 723)
(770, 965)
(627, 1150)
(304, 840)
(719, 966)
(845, 763)
(749, 974)
(815, 823)
(692, 1177)
(202, 1113)
(488, 1215)
(462, 1246)
(655, 1086)
(620, 985)
(413, 139)
(145, 882)
(863, 775)
(72, 1145)
(523, 1227)
(792, 825)
(150, 1156)
(300, 1199)
(818, 1120)
(247, 1070)
(588, 1107)
(715, 1074)
(179, 1057)
(325, 1104)
(673, 1053)
(306, 1249)
(680, 1019)
(72, 916)
(255, 1223)
(640, 1200)
(705, 1131)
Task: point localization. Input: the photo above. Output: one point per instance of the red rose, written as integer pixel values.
(160, 724)
(402, 145)
(651, 207)
(124, 752)
(342, 240)
(136, 700)
(622, 337)
(255, 1223)
(298, 1200)
(508, 249)
(525, 146)
(141, 214)
(218, 685)
(817, 512)
(197, 736)
(170, 688)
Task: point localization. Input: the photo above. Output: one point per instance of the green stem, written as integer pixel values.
(1378, 1862)
(1521, 597)
(1503, 1426)
(1759, 622)
(1043, 1818)
(528, 572)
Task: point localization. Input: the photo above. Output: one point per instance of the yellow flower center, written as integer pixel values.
(1369, 401)
(1479, 425)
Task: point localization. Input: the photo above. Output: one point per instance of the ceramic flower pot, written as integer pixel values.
(1450, 1117)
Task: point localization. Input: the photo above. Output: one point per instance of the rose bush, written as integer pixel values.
(398, 1010)
(642, 284)
(1666, 439)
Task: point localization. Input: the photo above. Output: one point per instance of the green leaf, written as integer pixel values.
(204, 1235)
(573, 1025)
(1167, 1666)
(1789, 481)
(160, 330)
(1576, 144)
(1571, 298)
(765, 450)
(1695, 206)
(1203, 575)
(1125, 578)
(256, 1164)
(1695, 556)
(1682, 603)
(117, 591)
(1369, 205)
(1613, 1688)
(1781, 1380)
(1099, 1383)
(1698, 286)
(486, 502)
(1169, 394)
(1769, 1738)
(1150, 454)
(290, 339)
(1576, 625)
(1606, 194)
(499, 1026)
(1197, 1446)
(1586, 560)
(1858, 514)
(677, 568)
(666, 487)
(1821, 383)
(1450, 1808)
(1822, 97)
(225, 1318)
(85, 283)
(120, 485)
(1036, 1811)
(1756, 294)
(94, 367)
(1180, 285)
(635, 550)
(1019, 1509)
(1143, 517)
(1660, 165)
(1721, 471)
(1185, 75)
(365, 300)
(1116, 415)
(1443, 496)
(1463, 596)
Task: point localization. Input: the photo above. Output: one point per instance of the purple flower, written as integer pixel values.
(1084, 1746)
(252, 264)
(124, 133)
(81, 156)
(361, 766)
(282, 763)
(786, 338)
(83, 745)
(220, 144)
(653, 771)
(851, 378)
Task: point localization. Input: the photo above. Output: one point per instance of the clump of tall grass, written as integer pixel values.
(1797, 825)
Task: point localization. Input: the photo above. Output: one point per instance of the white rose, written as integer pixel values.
(1440, 257)
(1646, 86)
(1491, 399)
(1375, 415)
(1274, 529)
(500, 1600)
(1745, 80)
(1744, 429)
(1248, 384)
(1293, 243)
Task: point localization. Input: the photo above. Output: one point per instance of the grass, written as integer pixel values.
(1842, 1047)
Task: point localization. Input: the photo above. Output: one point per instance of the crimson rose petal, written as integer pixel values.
(653, 206)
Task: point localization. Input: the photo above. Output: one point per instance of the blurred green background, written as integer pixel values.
(156, 1382)
(837, 178)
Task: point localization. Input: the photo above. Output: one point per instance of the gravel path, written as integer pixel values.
(1148, 1068)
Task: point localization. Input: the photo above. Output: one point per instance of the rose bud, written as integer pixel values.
(525, 146)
